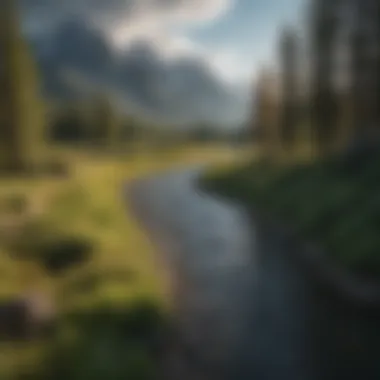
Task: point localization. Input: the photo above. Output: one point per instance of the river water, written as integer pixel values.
(208, 244)
(243, 306)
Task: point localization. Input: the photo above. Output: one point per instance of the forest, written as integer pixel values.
(316, 127)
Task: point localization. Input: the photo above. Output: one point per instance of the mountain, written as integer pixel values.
(183, 90)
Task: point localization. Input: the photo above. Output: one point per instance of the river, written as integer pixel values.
(212, 259)
(245, 308)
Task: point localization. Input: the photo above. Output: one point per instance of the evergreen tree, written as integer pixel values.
(265, 117)
(289, 96)
(365, 52)
(22, 111)
(324, 29)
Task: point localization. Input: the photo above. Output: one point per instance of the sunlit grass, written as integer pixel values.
(90, 203)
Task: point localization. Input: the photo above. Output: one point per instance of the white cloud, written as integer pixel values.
(163, 27)
(230, 67)
(162, 23)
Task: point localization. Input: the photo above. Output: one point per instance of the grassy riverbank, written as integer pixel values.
(334, 203)
(102, 302)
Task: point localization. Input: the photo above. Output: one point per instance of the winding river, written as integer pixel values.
(246, 310)
(208, 244)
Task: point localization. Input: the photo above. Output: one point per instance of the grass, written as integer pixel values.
(334, 203)
(122, 269)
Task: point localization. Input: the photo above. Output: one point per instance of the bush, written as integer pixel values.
(55, 250)
(139, 322)
(64, 252)
(112, 344)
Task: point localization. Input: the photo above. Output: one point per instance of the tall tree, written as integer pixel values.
(289, 96)
(22, 111)
(265, 114)
(324, 29)
(365, 52)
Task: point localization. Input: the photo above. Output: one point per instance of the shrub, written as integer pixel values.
(55, 250)
(64, 252)
(112, 344)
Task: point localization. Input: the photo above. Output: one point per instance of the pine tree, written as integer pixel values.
(22, 112)
(365, 52)
(324, 28)
(265, 118)
(289, 96)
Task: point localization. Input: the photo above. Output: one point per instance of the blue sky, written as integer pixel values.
(245, 34)
(249, 29)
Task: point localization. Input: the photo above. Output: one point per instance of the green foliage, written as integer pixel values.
(56, 251)
(334, 202)
(289, 102)
(92, 281)
(64, 252)
(324, 29)
(71, 123)
(110, 344)
(21, 111)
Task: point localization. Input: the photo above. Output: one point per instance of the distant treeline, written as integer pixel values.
(326, 91)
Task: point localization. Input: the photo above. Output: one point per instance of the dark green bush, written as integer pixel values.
(112, 344)
(65, 252)
(55, 250)
(333, 202)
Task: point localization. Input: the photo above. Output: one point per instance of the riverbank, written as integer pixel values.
(333, 205)
(315, 317)
(118, 278)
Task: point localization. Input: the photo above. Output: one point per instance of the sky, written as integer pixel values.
(229, 39)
